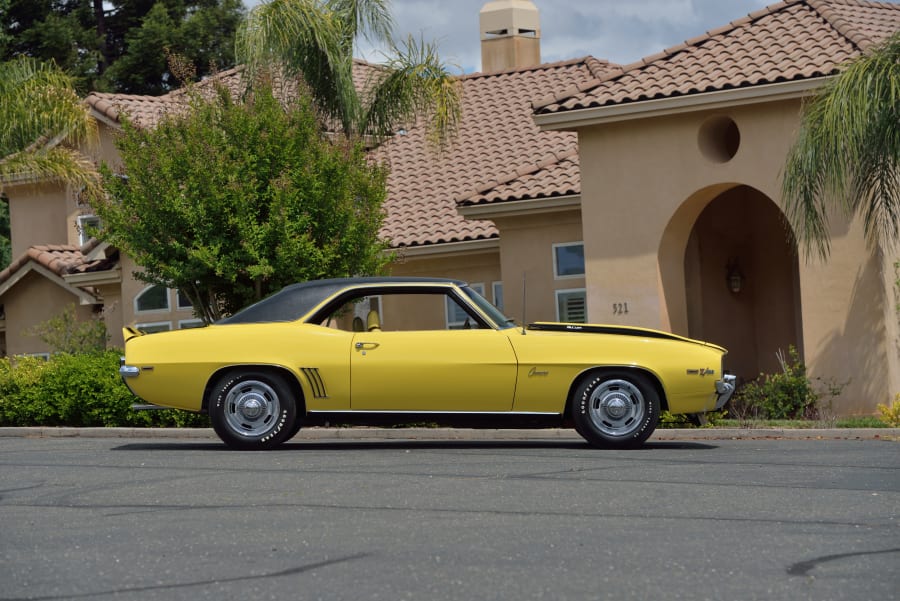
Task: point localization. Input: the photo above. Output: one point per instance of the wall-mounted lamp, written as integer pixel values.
(733, 276)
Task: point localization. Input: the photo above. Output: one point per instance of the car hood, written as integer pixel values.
(587, 328)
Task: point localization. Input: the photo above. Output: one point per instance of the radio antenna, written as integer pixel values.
(523, 303)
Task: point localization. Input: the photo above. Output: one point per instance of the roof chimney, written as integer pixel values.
(510, 35)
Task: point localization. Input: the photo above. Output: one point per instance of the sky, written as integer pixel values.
(621, 31)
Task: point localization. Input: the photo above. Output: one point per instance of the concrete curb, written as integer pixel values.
(892, 434)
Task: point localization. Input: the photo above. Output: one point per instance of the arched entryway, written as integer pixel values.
(740, 276)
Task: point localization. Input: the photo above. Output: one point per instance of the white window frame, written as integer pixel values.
(167, 308)
(556, 247)
(82, 235)
(456, 325)
(154, 324)
(191, 323)
(559, 293)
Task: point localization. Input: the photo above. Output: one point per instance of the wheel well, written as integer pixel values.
(589, 373)
(289, 378)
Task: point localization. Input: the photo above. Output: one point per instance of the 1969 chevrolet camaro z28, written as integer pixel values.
(401, 350)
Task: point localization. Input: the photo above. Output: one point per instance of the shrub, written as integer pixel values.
(66, 334)
(890, 415)
(81, 389)
(789, 394)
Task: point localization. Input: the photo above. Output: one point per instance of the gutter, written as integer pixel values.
(705, 101)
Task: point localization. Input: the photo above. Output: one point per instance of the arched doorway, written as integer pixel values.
(741, 280)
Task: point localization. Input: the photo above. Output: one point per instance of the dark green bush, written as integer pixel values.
(76, 390)
(789, 394)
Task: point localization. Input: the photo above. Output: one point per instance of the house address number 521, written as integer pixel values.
(620, 308)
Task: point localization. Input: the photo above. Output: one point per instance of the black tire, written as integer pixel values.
(615, 409)
(294, 429)
(253, 411)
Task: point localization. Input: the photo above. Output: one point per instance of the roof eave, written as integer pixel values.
(94, 278)
(84, 297)
(465, 247)
(517, 208)
(706, 101)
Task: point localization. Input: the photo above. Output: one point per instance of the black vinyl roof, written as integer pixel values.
(294, 301)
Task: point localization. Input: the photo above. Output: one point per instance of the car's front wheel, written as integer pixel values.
(615, 409)
(252, 410)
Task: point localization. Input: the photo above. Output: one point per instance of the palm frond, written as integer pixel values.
(56, 164)
(417, 83)
(40, 106)
(302, 38)
(370, 18)
(848, 152)
(42, 121)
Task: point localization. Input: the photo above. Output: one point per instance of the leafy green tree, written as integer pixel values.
(43, 122)
(232, 200)
(314, 39)
(848, 152)
(89, 38)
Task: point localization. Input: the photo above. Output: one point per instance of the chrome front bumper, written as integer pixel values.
(724, 390)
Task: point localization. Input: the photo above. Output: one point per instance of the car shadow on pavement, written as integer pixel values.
(375, 445)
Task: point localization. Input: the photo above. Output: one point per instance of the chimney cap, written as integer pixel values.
(502, 18)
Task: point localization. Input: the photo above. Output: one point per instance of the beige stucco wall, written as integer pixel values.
(37, 215)
(35, 300)
(645, 182)
(527, 262)
(478, 265)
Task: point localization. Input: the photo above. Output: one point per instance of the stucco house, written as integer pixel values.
(645, 194)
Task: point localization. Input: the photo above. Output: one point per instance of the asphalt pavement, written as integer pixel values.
(412, 515)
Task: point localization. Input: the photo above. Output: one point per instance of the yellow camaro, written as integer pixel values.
(400, 350)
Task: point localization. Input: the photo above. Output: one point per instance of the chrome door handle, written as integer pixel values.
(362, 345)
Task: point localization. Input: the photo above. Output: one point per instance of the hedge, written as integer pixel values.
(79, 390)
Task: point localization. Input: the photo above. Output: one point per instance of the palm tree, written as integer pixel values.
(848, 152)
(42, 124)
(313, 39)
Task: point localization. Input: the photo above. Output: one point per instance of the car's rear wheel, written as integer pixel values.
(615, 409)
(253, 410)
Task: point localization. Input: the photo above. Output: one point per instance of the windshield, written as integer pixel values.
(502, 321)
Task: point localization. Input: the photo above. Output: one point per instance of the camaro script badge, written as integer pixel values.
(534, 372)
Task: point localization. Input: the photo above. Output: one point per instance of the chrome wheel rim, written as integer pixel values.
(252, 408)
(617, 407)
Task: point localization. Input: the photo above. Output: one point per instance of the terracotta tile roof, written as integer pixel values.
(554, 178)
(61, 259)
(497, 141)
(792, 40)
(146, 111)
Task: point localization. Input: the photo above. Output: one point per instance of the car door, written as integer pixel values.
(412, 361)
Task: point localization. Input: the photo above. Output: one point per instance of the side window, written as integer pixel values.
(401, 311)
(457, 318)
(571, 306)
(152, 298)
(568, 260)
